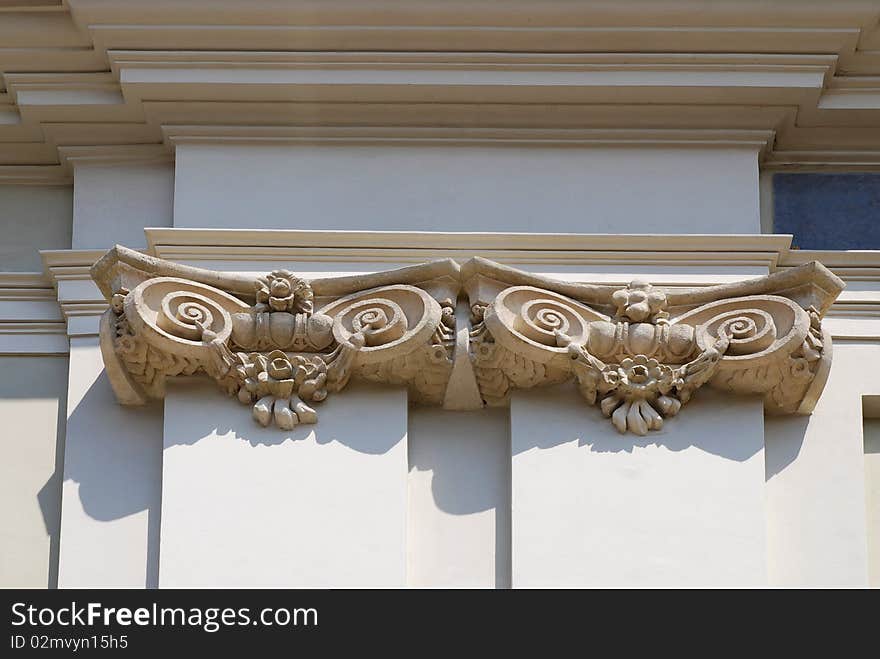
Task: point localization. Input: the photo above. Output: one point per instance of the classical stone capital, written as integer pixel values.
(640, 353)
(281, 343)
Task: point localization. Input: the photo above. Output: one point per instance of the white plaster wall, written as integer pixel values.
(321, 506)
(872, 498)
(111, 494)
(681, 507)
(33, 392)
(467, 188)
(33, 217)
(447, 503)
(113, 203)
(458, 524)
(816, 481)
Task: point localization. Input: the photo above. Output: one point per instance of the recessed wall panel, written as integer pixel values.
(321, 506)
(817, 533)
(112, 481)
(32, 399)
(683, 506)
(467, 188)
(458, 527)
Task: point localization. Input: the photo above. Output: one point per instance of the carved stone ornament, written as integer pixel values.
(280, 343)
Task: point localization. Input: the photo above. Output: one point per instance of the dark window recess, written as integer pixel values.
(828, 211)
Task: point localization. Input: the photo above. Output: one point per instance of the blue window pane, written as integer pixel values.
(828, 211)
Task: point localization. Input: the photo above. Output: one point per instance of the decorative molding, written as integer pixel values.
(110, 155)
(30, 319)
(674, 261)
(79, 298)
(273, 239)
(758, 141)
(98, 73)
(855, 316)
(282, 343)
(741, 254)
(34, 175)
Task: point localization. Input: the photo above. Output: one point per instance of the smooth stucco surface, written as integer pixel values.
(467, 188)
(112, 482)
(458, 527)
(872, 498)
(113, 204)
(33, 217)
(815, 482)
(321, 506)
(33, 391)
(683, 506)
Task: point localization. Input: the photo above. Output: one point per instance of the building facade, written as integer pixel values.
(432, 294)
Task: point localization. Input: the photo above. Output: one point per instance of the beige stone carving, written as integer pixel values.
(267, 346)
(280, 343)
(640, 353)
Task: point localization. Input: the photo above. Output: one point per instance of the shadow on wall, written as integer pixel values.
(49, 497)
(49, 500)
(42, 379)
(345, 417)
(784, 437)
(114, 454)
(700, 424)
(467, 455)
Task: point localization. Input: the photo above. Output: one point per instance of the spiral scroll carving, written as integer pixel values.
(399, 339)
(544, 318)
(390, 321)
(173, 315)
(761, 329)
(528, 321)
(380, 321)
(777, 349)
(748, 331)
(186, 315)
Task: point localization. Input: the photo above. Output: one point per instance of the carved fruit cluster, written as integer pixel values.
(277, 385)
(639, 392)
(640, 385)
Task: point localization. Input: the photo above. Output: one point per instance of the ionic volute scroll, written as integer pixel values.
(640, 361)
(282, 344)
(273, 350)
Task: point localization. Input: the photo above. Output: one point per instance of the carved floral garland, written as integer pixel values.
(250, 350)
(629, 355)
